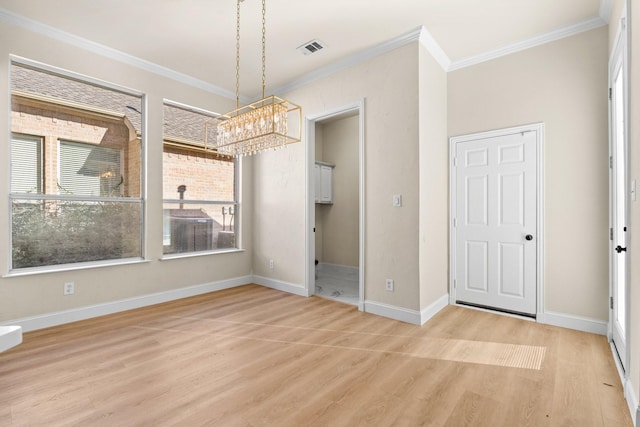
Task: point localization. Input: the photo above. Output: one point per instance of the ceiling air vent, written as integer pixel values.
(311, 47)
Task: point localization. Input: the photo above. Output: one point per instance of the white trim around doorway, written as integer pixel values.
(619, 55)
(539, 129)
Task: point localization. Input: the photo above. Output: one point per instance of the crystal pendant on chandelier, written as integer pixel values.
(269, 123)
(260, 126)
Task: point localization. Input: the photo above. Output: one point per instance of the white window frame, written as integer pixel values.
(236, 203)
(142, 200)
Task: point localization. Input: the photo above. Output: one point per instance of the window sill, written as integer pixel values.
(197, 254)
(71, 267)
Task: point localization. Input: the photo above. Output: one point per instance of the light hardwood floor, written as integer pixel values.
(252, 356)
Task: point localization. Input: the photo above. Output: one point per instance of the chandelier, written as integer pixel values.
(269, 123)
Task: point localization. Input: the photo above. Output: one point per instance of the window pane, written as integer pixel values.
(187, 165)
(192, 227)
(68, 109)
(26, 164)
(76, 142)
(194, 172)
(90, 170)
(51, 232)
(202, 176)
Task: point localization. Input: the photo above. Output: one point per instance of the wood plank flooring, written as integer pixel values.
(252, 356)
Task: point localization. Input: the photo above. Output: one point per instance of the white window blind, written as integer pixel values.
(26, 164)
(89, 170)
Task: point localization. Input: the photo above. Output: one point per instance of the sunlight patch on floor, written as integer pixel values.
(491, 353)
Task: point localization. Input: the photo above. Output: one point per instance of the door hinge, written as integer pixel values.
(610, 162)
(610, 94)
(611, 303)
(455, 161)
(611, 234)
(454, 283)
(454, 223)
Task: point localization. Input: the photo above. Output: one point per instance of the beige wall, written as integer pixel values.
(39, 294)
(339, 221)
(564, 85)
(434, 178)
(390, 85)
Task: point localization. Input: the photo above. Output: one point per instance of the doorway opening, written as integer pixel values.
(335, 201)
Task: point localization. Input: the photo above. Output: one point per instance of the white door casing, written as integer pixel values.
(618, 135)
(496, 226)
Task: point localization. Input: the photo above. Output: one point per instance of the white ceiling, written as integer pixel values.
(197, 37)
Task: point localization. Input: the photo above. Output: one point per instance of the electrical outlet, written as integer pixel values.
(69, 288)
(271, 264)
(389, 285)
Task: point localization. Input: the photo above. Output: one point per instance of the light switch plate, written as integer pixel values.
(397, 200)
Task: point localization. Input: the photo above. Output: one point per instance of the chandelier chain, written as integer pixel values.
(264, 43)
(238, 55)
(263, 125)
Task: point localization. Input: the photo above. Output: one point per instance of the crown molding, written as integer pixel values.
(427, 40)
(97, 48)
(605, 10)
(420, 34)
(572, 30)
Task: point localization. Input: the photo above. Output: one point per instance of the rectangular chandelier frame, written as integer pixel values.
(269, 123)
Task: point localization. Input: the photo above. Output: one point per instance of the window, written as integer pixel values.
(199, 186)
(26, 164)
(76, 169)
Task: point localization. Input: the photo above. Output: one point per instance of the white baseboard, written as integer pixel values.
(627, 388)
(430, 311)
(573, 322)
(393, 312)
(82, 313)
(279, 285)
(632, 402)
(10, 336)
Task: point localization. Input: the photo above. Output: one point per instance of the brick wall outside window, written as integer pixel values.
(55, 123)
(206, 176)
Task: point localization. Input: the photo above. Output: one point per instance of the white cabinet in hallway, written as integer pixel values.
(324, 182)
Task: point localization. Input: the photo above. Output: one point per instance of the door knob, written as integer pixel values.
(620, 249)
(528, 237)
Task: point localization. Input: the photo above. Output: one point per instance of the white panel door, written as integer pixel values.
(619, 202)
(495, 222)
